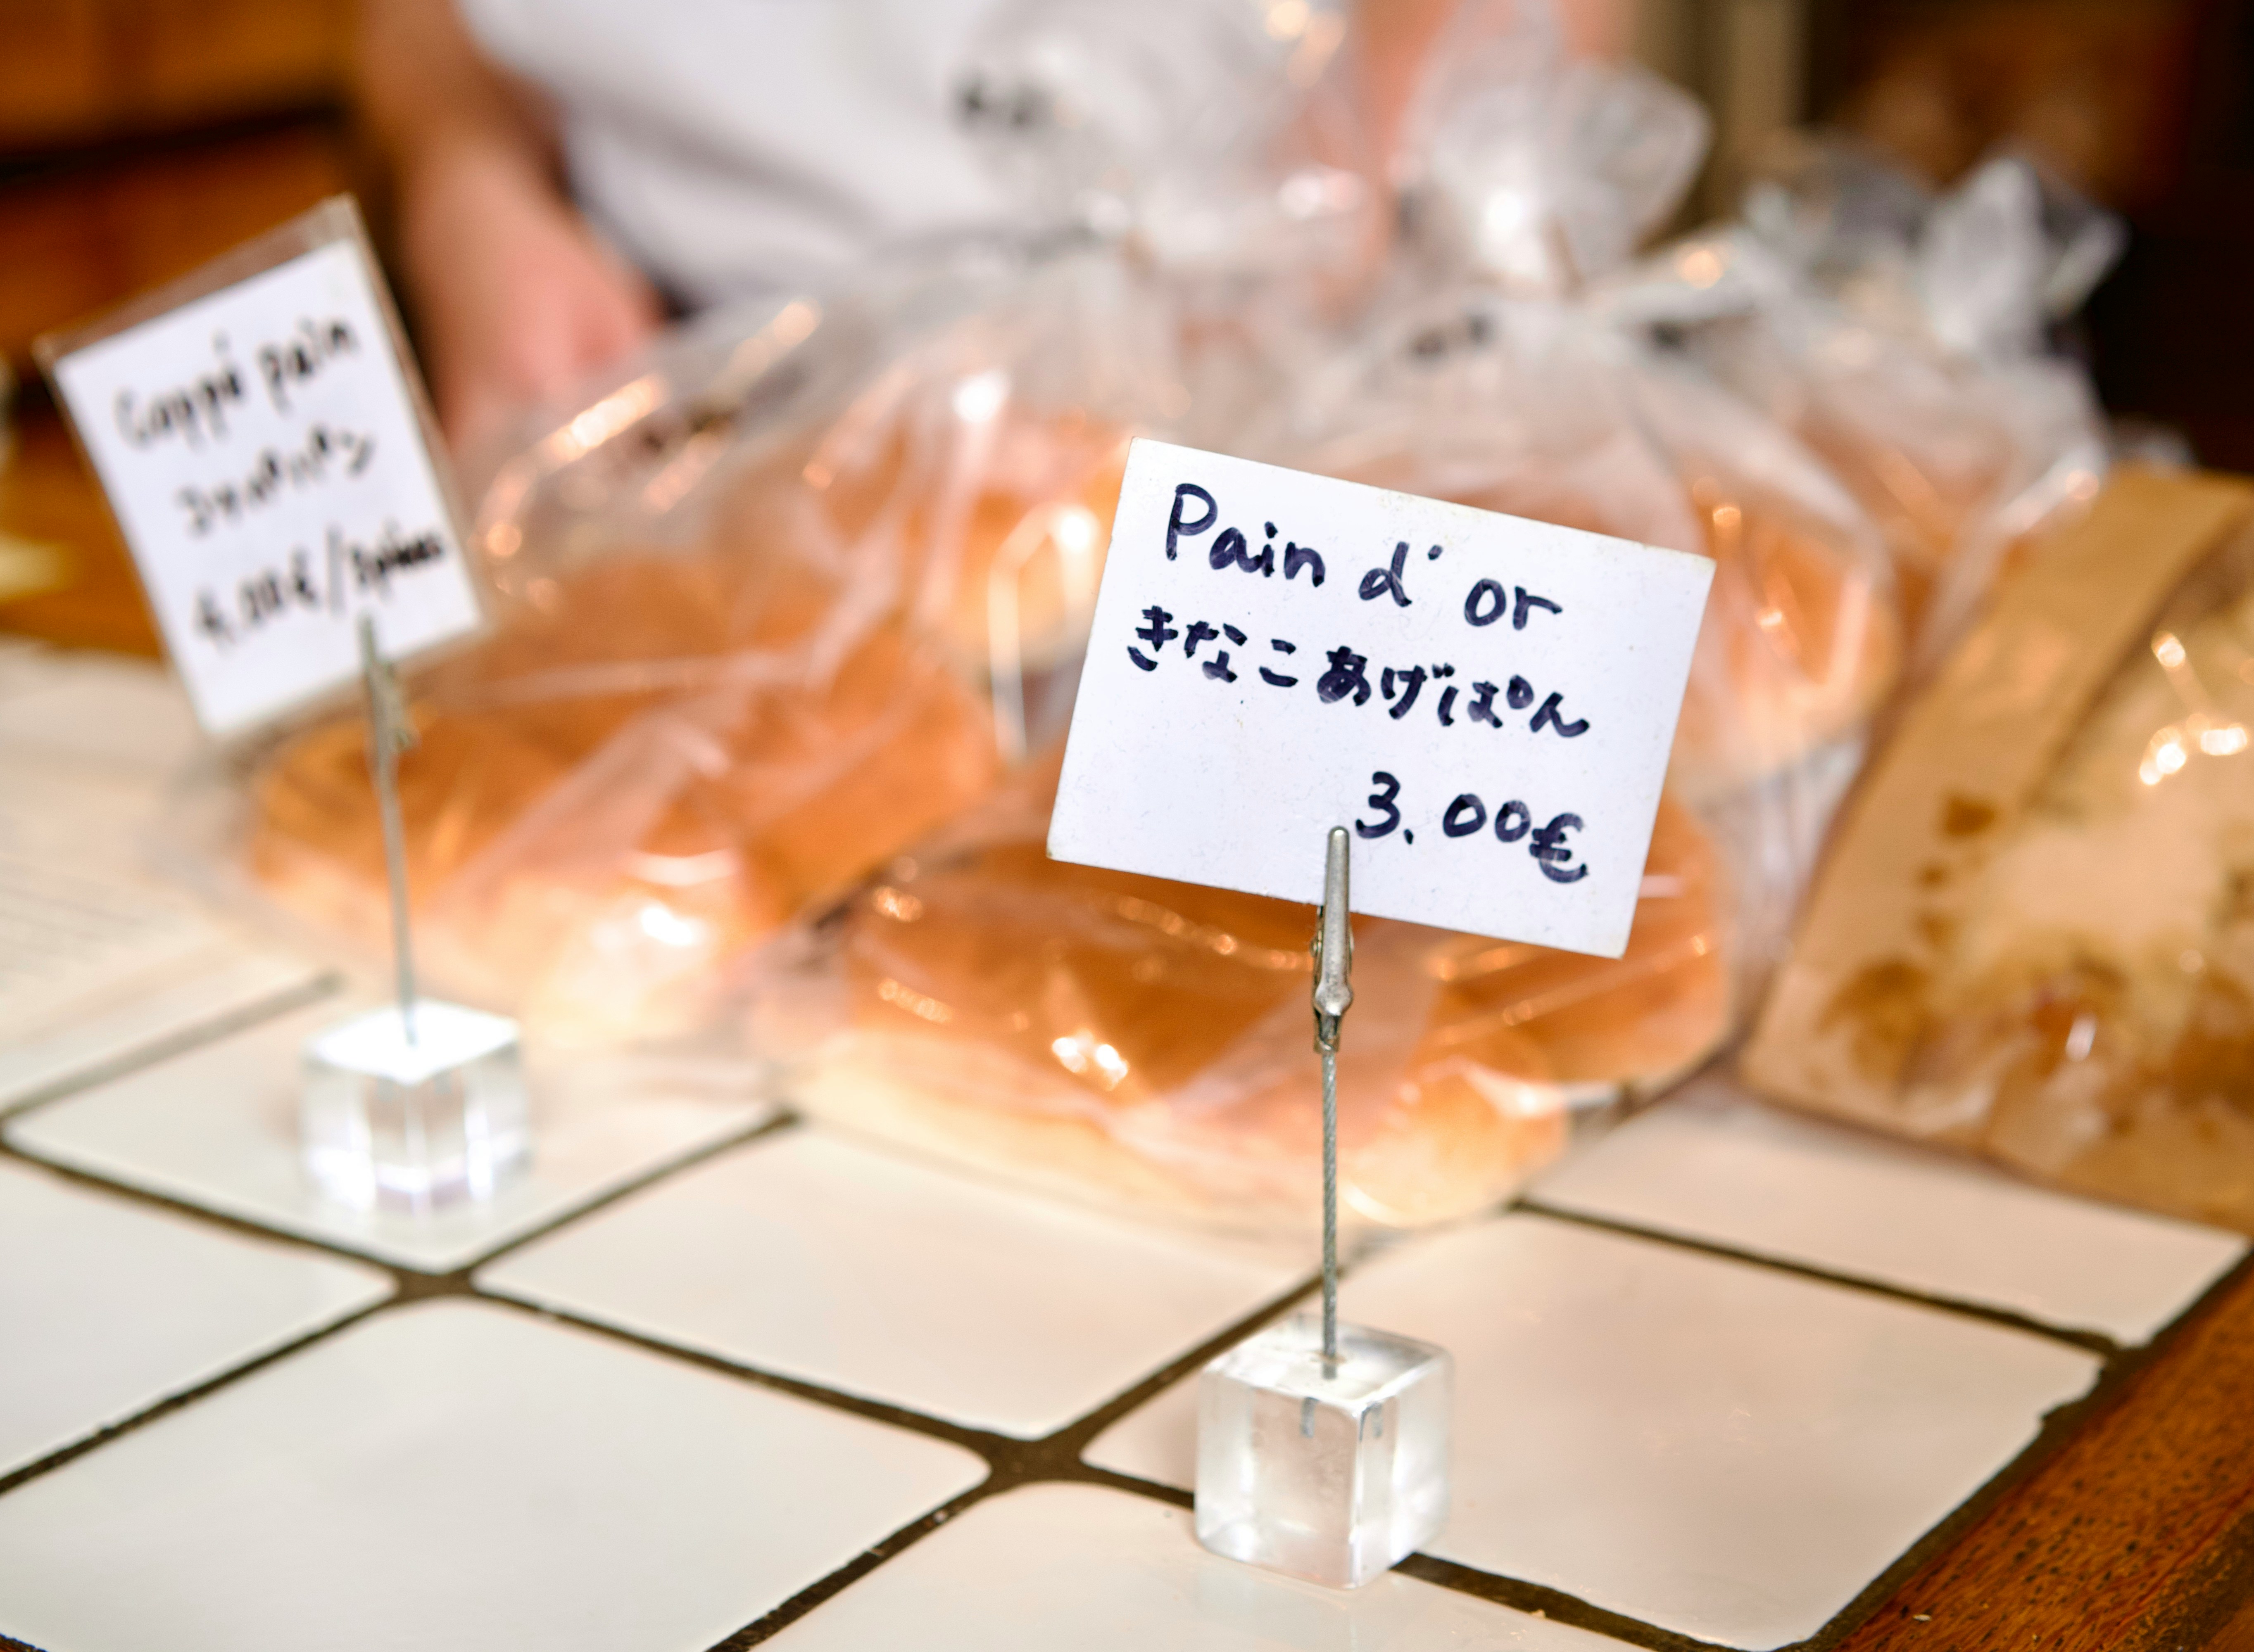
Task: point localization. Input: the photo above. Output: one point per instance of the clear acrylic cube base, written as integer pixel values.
(413, 1124)
(1331, 1474)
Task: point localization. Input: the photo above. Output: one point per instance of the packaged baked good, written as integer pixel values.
(1146, 1043)
(767, 612)
(2033, 937)
(1528, 409)
(1493, 379)
(1133, 1041)
(1498, 374)
(1905, 337)
(791, 593)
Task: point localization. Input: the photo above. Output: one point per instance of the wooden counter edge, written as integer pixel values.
(2133, 1532)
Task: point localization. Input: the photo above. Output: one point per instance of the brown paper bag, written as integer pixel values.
(2033, 937)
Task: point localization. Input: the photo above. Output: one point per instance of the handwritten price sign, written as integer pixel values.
(263, 454)
(1488, 702)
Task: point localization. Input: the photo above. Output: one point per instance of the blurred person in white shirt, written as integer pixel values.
(568, 169)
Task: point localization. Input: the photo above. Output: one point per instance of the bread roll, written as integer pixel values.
(1149, 1043)
(1802, 639)
(663, 755)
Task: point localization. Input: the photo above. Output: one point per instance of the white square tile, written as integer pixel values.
(108, 1307)
(1715, 1448)
(1715, 1165)
(218, 1127)
(812, 1257)
(454, 1475)
(1103, 1571)
(227, 988)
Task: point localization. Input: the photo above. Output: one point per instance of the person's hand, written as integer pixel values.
(517, 299)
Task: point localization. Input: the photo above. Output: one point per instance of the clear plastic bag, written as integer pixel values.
(792, 593)
(1147, 1044)
(1219, 144)
(1530, 409)
(2033, 939)
(1505, 376)
(1903, 337)
(767, 612)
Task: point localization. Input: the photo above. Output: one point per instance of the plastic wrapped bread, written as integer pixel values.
(1529, 410)
(791, 594)
(1494, 378)
(748, 644)
(1144, 1043)
(2032, 938)
(1148, 1042)
(1903, 337)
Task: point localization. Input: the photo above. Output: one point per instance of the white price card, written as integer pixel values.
(261, 441)
(1487, 702)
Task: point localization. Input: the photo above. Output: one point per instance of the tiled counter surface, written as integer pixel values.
(1731, 1378)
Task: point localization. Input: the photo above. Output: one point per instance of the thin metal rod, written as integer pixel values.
(394, 864)
(1333, 994)
(1330, 1207)
(390, 734)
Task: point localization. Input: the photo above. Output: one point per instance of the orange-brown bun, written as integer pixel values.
(1149, 1041)
(661, 755)
(1926, 498)
(1645, 1017)
(1798, 645)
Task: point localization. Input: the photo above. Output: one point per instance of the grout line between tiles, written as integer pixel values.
(1012, 1461)
(179, 1042)
(1052, 1459)
(242, 1227)
(782, 1121)
(2095, 1342)
(408, 1285)
(103, 1435)
(1539, 1600)
(252, 1227)
(853, 1571)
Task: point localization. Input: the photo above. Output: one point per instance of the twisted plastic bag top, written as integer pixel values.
(1533, 169)
(1221, 136)
(1903, 338)
(1219, 144)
